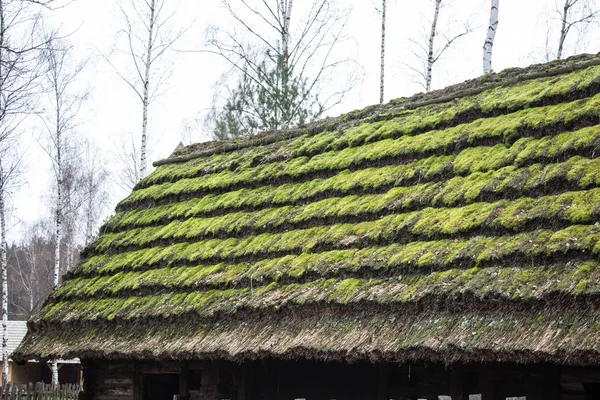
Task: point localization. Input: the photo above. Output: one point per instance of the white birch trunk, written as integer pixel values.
(3, 266)
(59, 205)
(146, 94)
(430, 56)
(563, 29)
(54, 373)
(4, 286)
(57, 249)
(31, 286)
(382, 74)
(287, 16)
(89, 215)
(285, 43)
(69, 255)
(489, 40)
(58, 215)
(88, 222)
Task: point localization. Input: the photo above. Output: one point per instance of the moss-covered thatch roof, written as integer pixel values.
(457, 225)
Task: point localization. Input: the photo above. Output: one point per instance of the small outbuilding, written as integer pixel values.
(443, 246)
(33, 370)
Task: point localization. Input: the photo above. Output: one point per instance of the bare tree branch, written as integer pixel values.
(20, 70)
(573, 14)
(430, 50)
(284, 63)
(148, 38)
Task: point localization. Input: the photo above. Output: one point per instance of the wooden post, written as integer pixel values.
(383, 382)
(487, 389)
(242, 379)
(137, 378)
(90, 377)
(456, 383)
(250, 367)
(551, 381)
(183, 380)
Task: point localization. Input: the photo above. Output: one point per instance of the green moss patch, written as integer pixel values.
(510, 283)
(381, 223)
(479, 169)
(504, 129)
(504, 98)
(479, 250)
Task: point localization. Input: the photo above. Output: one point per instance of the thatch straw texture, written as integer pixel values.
(457, 225)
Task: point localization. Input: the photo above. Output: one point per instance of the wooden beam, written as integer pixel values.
(166, 367)
(89, 370)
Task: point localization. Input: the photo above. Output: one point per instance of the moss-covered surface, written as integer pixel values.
(412, 283)
(460, 215)
(491, 170)
(509, 283)
(505, 129)
(499, 100)
(478, 250)
(377, 214)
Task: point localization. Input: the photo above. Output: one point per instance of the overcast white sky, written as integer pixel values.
(113, 111)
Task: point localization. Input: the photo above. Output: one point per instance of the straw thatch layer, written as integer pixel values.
(560, 337)
(456, 225)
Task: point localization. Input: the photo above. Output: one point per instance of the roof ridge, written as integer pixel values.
(470, 87)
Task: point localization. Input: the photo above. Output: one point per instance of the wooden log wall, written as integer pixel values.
(580, 384)
(311, 380)
(108, 380)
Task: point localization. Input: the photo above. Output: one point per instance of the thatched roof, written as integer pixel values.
(457, 225)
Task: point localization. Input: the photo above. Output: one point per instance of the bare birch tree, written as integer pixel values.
(23, 263)
(3, 251)
(489, 39)
(31, 262)
(19, 71)
(429, 50)
(31, 269)
(432, 34)
(64, 104)
(127, 160)
(148, 37)
(9, 168)
(283, 63)
(574, 13)
(95, 194)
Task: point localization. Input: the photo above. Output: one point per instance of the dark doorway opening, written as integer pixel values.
(160, 386)
(312, 380)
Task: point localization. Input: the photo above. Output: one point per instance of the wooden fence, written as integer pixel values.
(40, 391)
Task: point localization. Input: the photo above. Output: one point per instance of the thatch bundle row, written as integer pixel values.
(461, 225)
